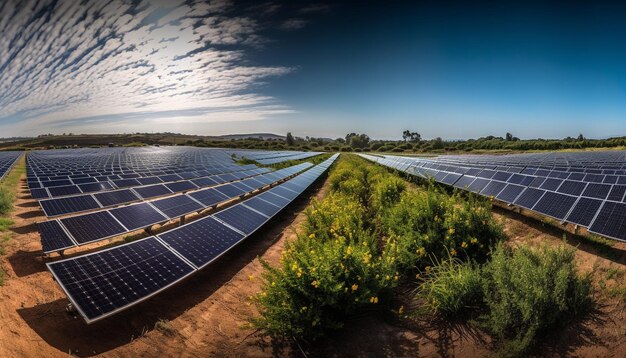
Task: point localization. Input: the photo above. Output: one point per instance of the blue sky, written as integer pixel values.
(454, 70)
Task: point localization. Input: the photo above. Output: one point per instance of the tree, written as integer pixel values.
(407, 135)
(509, 137)
(357, 140)
(580, 137)
(290, 140)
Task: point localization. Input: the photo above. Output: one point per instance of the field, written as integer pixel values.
(319, 255)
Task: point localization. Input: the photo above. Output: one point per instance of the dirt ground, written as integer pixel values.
(206, 315)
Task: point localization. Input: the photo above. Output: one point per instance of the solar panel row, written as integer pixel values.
(101, 225)
(103, 283)
(7, 161)
(87, 202)
(587, 190)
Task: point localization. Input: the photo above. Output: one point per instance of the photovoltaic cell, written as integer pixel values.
(201, 241)
(596, 190)
(451, 178)
(555, 204)
(92, 227)
(209, 197)
(177, 206)
(478, 185)
(572, 187)
(104, 282)
(117, 197)
(94, 187)
(61, 206)
(611, 221)
(64, 190)
(464, 182)
(181, 186)
(241, 218)
(262, 206)
(584, 211)
(617, 193)
(493, 188)
(529, 197)
(551, 184)
(152, 191)
(138, 216)
(230, 190)
(510, 192)
(53, 237)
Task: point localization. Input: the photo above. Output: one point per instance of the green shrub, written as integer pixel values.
(386, 192)
(431, 224)
(6, 201)
(528, 292)
(451, 288)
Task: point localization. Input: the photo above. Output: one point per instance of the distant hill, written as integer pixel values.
(264, 136)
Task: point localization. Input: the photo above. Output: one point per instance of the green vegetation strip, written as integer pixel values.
(374, 235)
(8, 192)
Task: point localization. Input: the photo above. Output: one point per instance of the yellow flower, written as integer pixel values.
(312, 236)
(251, 277)
(474, 240)
(427, 268)
(374, 300)
(355, 287)
(401, 310)
(417, 276)
(451, 231)
(315, 283)
(453, 252)
(464, 244)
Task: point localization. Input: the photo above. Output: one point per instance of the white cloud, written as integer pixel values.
(111, 59)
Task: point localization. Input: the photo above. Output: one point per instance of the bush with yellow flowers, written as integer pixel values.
(429, 225)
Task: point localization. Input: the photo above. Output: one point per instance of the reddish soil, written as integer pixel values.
(207, 314)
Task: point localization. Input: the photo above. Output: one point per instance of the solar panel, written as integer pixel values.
(529, 197)
(102, 283)
(201, 241)
(555, 205)
(117, 197)
(64, 190)
(241, 218)
(125, 183)
(181, 186)
(584, 211)
(230, 190)
(203, 182)
(572, 187)
(177, 206)
(169, 177)
(274, 199)
(284, 192)
(493, 188)
(62, 206)
(551, 184)
(93, 227)
(94, 187)
(149, 180)
(53, 237)
(266, 208)
(152, 191)
(40, 193)
(478, 184)
(611, 221)
(617, 193)
(464, 182)
(510, 192)
(208, 197)
(521, 179)
(138, 216)
(598, 191)
(451, 178)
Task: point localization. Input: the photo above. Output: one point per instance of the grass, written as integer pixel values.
(165, 327)
(8, 193)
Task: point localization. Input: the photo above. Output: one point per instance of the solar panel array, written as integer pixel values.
(583, 188)
(267, 158)
(7, 161)
(84, 229)
(103, 283)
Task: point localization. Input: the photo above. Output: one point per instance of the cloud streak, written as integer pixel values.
(62, 62)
